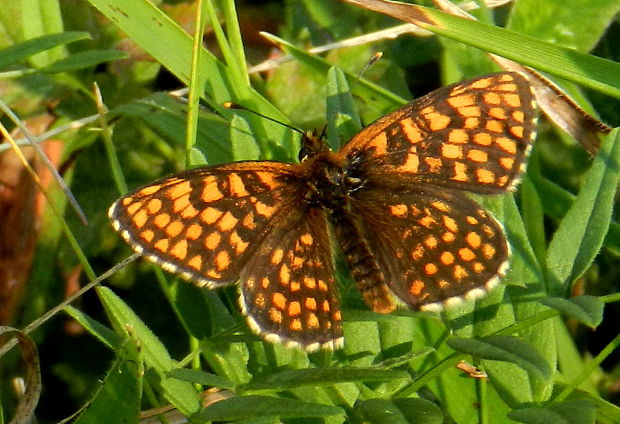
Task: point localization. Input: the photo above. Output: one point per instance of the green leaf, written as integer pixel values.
(504, 348)
(201, 377)
(342, 120)
(180, 393)
(100, 331)
(82, 60)
(322, 376)
(400, 411)
(580, 235)
(572, 412)
(252, 407)
(122, 387)
(579, 26)
(243, 144)
(586, 309)
(21, 51)
(587, 70)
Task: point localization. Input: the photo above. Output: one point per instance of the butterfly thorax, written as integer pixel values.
(326, 180)
(331, 181)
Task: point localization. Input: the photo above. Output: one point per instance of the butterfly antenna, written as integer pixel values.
(231, 105)
(374, 59)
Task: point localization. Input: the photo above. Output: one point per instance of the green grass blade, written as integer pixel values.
(587, 70)
(21, 51)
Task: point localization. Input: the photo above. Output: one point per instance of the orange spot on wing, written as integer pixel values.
(174, 228)
(161, 220)
(179, 250)
(458, 136)
(213, 240)
(179, 190)
(227, 222)
(494, 126)
(451, 151)
(379, 143)
(193, 231)
(210, 215)
(195, 262)
(416, 287)
(411, 131)
(153, 206)
(237, 188)
(140, 218)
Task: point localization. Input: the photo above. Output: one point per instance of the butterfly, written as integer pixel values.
(392, 199)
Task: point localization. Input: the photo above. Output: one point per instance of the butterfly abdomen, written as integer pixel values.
(362, 263)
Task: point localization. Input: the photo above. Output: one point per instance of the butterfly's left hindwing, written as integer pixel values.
(288, 289)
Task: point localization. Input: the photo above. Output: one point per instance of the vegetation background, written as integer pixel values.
(553, 353)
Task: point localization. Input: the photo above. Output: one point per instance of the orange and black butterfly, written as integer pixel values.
(393, 199)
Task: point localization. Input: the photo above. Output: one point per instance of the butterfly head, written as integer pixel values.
(312, 143)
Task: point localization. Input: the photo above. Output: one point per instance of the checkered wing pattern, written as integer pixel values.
(395, 195)
(288, 289)
(205, 224)
(473, 135)
(448, 247)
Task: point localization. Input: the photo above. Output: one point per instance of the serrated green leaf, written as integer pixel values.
(342, 119)
(243, 144)
(504, 348)
(579, 26)
(100, 331)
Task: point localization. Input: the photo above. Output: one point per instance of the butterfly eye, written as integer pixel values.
(304, 153)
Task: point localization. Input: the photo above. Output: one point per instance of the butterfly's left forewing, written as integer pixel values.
(205, 223)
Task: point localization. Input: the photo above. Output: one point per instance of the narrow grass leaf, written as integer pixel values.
(400, 411)
(21, 51)
(586, 309)
(580, 235)
(587, 70)
(572, 412)
(83, 60)
(253, 407)
(322, 376)
(507, 349)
